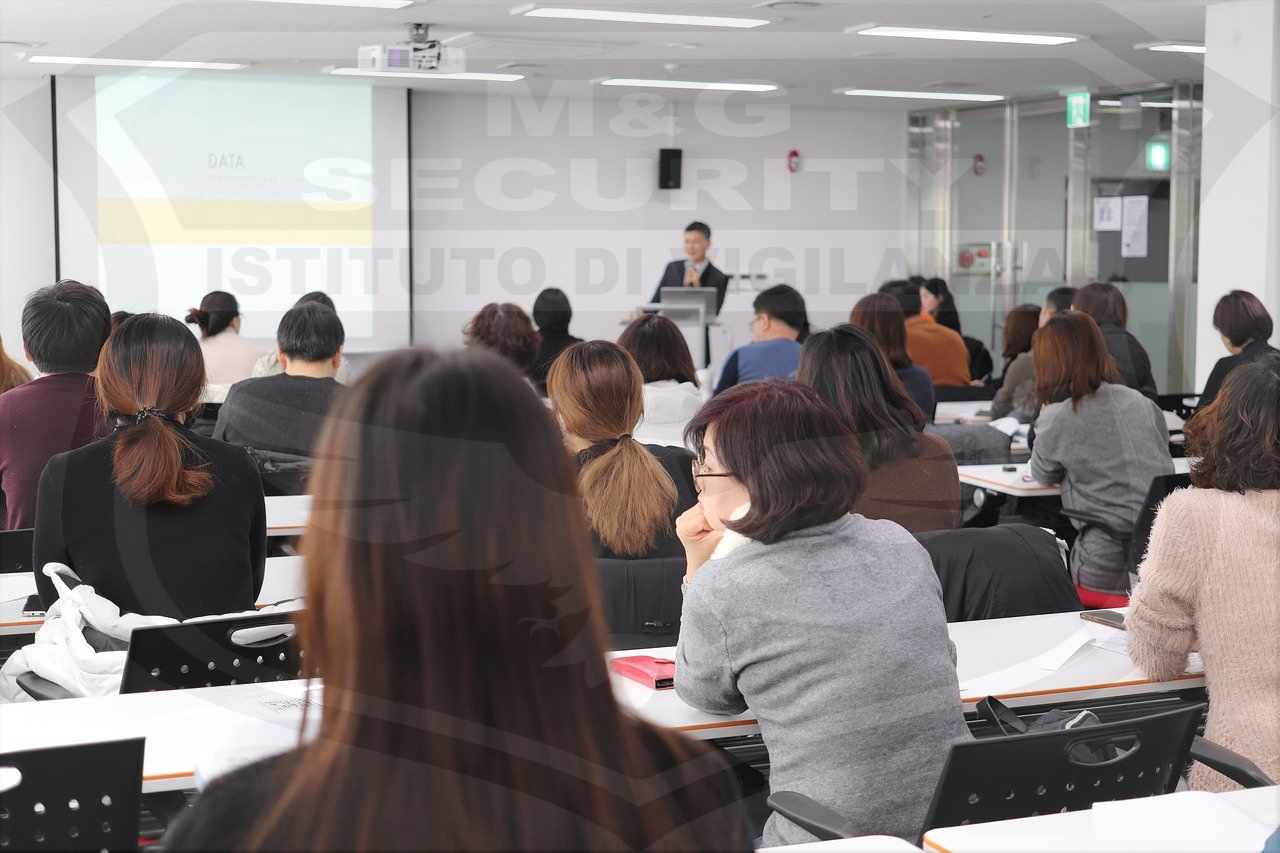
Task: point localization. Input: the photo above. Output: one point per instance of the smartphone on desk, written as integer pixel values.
(1110, 618)
(33, 607)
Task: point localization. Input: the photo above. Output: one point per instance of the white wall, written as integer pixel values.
(26, 201)
(512, 196)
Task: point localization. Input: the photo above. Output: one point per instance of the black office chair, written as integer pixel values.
(1035, 774)
(1135, 541)
(981, 365)
(642, 601)
(962, 393)
(16, 547)
(282, 473)
(206, 419)
(85, 797)
(212, 653)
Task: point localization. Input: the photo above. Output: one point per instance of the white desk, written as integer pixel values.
(992, 660)
(1018, 482)
(287, 515)
(1071, 831)
(962, 411)
(282, 580)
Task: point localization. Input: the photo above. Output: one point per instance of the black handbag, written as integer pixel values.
(1010, 724)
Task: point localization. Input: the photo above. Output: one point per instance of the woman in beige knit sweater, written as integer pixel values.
(1211, 577)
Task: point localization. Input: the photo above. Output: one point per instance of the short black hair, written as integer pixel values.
(552, 311)
(907, 293)
(317, 296)
(64, 327)
(783, 302)
(1060, 298)
(701, 227)
(310, 332)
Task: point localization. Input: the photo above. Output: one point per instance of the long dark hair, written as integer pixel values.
(507, 330)
(150, 381)
(453, 610)
(881, 315)
(597, 390)
(1237, 436)
(846, 366)
(216, 311)
(659, 348)
(1104, 302)
(1071, 360)
(946, 313)
(1019, 325)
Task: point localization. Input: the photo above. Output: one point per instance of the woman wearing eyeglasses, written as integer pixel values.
(632, 491)
(829, 626)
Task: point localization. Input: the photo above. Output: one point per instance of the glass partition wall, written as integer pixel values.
(1008, 203)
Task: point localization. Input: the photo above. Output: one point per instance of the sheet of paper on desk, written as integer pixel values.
(1030, 670)
(1113, 640)
(17, 585)
(1190, 820)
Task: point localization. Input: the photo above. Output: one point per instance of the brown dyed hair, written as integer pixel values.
(881, 315)
(1242, 318)
(1019, 325)
(1071, 360)
(12, 374)
(454, 611)
(150, 380)
(597, 390)
(506, 329)
(659, 348)
(1237, 436)
(1103, 302)
(799, 462)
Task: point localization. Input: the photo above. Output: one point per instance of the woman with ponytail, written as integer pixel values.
(228, 357)
(632, 491)
(157, 519)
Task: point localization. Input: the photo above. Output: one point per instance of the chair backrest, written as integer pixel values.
(212, 653)
(999, 778)
(642, 601)
(282, 473)
(994, 572)
(85, 797)
(16, 547)
(1161, 488)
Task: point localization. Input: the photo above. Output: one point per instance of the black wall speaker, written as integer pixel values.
(669, 168)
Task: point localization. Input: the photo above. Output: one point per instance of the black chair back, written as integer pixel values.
(282, 473)
(1161, 488)
(1000, 778)
(212, 653)
(16, 548)
(85, 797)
(642, 601)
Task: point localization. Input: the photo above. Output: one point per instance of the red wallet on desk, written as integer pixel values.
(658, 673)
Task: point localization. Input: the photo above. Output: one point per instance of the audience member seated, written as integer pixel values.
(1245, 325)
(913, 478)
(466, 703)
(881, 315)
(284, 413)
(671, 392)
(228, 358)
(632, 491)
(1055, 302)
(1017, 392)
(939, 350)
(1104, 442)
(1210, 582)
(780, 325)
(156, 519)
(118, 317)
(269, 364)
(507, 330)
(552, 314)
(12, 374)
(828, 625)
(1105, 303)
(936, 301)
(63, 329)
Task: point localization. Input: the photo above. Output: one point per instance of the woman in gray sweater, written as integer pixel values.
(1102, 441)
(828, 625)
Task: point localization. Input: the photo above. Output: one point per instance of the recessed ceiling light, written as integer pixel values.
(682, 45)
(922, 96)
(961, 35)
(1172, 46)
(688, 84)
(619, 16)
(137, 63)
(1155, 105)
(355, 4)
(478, 76)
(794, 5)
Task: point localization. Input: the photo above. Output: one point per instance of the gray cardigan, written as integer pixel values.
(1105, 455)
(835, 636)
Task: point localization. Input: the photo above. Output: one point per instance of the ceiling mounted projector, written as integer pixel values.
(420, 53)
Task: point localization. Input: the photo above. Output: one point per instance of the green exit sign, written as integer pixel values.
(1078, 110)
(1158, 156)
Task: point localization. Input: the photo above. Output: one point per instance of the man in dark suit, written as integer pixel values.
(695, 270)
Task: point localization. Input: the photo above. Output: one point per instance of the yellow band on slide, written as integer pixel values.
(125, 221)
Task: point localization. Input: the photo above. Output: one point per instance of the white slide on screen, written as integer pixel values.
(173, 186)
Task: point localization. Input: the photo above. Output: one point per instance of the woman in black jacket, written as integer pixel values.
(1106, 305)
